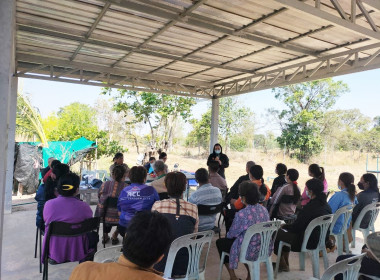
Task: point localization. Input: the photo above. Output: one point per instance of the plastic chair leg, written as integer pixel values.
(280, 245)
(221, 265)
(353, 238)
(346, 244)
(254, 269)
(269, 266)
(302, 260)
(315, 262)
(365, 234)
(340, 244)
(40, 252)
(325, 258)
(35, 245)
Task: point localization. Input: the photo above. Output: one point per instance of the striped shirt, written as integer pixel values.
(206, 195)
(169, 206)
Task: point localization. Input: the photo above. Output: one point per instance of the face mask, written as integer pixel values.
(308, 195)
(217, 152)
(361, 186)
(339, 187)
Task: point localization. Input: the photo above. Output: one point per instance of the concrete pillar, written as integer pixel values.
(214, 123)
(12, 108)
(7, 29)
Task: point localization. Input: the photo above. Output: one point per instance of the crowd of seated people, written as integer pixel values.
(248, 202)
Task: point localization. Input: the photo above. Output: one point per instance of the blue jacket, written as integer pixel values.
(133, 199)
(338, 200)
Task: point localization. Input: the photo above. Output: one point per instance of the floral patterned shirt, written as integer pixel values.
(250, 215)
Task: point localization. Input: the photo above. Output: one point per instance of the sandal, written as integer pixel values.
(115, 241)
(106, 240)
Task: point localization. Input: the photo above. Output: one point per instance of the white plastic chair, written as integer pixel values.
(107, 255)
(194, 243)
(369, 276)
(267, 231)
(341, 236)
(374, 208)
(324, 223)
(349, 268)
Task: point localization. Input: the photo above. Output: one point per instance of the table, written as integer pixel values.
(85, 193)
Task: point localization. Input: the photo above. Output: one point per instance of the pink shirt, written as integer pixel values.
(305, 199)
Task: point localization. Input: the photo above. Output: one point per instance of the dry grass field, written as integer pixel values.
(333, 162)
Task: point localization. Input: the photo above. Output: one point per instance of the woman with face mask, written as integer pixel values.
(218, 156)
(317, 172)
(369, 194)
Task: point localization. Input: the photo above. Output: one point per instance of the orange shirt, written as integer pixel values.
(239, 205)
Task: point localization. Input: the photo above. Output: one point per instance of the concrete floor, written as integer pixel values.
(19, 262)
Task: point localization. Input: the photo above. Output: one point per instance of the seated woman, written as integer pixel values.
(286, 198)
(280, 180)
(369, 194)
(316, 172)
(293, 233)
(159, 184)
(135, 198)
(69, 209)
(253, 213)
(111, 189)
(182, 216)
(118, 160)
(346, 196)
(48, 190)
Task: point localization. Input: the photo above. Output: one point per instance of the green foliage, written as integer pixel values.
(306, 105)
(79, 120)
(265, 142)
(159, 111)
(29, 121)
(200, 135)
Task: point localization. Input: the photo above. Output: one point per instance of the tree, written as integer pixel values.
(233, 119)
(159, 111)
(79, 120)
(306, 104)
(200, 135)
(28, 120)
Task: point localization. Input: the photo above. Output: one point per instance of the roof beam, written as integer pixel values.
(336, 21)
(171, 23)
(205, 23)
(236, 31)
(101, 69)
(68, 36)
(93, 26)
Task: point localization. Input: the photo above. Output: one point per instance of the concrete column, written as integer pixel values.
(12, 108)
(7, 29)
(214, 123)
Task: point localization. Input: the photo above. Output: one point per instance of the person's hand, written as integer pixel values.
(218, 160)
(368, 253)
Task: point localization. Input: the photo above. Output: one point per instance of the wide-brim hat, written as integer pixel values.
(373, 243)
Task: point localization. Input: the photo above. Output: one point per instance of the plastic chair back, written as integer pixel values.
(323, 223)
(348, 267)
(267, 232)
(347, 212)
(374, 208)
(110, 254)
(194, 243)
(209, 209)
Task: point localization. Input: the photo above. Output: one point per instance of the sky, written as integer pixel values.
(364, 95)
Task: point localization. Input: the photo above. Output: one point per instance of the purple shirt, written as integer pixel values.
(68, 210)
(250, 215)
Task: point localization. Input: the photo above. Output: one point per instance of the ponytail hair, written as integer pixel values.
(293, 176)
(257, 172)
(317, 171)
(348, 181)
(68, 184)
(118, 172)
(316, 186)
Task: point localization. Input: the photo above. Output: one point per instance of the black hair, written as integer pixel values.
(317, 171)
(54, 163)
(257, 172)
(201, 175)
(250, 191)
(68, 184)
(213, 165)
(152, 158)
(175, 183)
(372, 181)
(137, 174)
(147, 238)
(118, 172)
(221, 148)
(293, 176)
(316, 186)
(59, 170)
(117, 156)
(348, 180)
(281, 169)
(162, 155)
